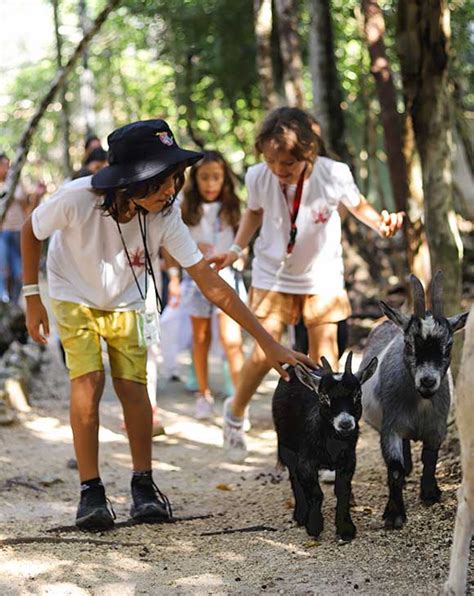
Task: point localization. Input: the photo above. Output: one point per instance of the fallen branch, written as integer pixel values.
(59, 540)
(130, 523)
(238, 530)
(18, 482)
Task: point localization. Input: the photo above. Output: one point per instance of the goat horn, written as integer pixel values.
(327, 367)
(437, 294)
(419, 304)
(348, 367)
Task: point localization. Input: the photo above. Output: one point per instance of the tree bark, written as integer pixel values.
(65, 122)
(290, 52)
(86, 76)
(327, 94)
(263, 19)
(392, 126)
(58, 81)
(423, 43)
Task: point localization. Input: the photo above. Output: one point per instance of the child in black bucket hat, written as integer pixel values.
(109, 228)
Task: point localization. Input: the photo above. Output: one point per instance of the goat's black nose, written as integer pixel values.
(345, 424)
(428, 382)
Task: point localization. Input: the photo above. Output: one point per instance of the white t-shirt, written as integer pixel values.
(315, 265)
(87, 263)
(212, 230)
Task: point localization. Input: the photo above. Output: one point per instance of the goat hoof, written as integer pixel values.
(300, 515)
(315, 524)
(346, 531)
(395, 521)
(431, 495)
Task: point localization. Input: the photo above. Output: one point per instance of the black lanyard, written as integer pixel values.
(294, 213)
(148, 263)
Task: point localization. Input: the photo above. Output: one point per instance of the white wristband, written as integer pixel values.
(239, 251)
(30, 290)
(173, 272)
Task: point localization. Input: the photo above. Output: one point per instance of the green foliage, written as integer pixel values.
(193, 62)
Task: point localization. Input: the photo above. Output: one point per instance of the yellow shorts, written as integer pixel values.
(80, 329)
(316, 309)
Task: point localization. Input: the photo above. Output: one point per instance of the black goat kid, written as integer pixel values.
(316, 415)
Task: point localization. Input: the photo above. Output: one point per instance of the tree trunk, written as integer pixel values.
(423, 45)
(290, 52)
(27, 136)
(263, 20)
(86, 77)
(327, 95)
(65, 124)
(391, 121)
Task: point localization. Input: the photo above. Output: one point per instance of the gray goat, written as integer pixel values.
(409, 396)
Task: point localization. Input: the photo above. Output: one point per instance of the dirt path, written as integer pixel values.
(38, 493)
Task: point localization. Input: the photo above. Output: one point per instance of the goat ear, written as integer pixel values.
(307, 377)
(458, 322)
(365, 374)
(394, 315)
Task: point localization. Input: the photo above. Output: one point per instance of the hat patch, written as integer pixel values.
(165, 138)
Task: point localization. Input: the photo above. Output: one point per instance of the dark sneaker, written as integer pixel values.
(94, 512)
(149, 503)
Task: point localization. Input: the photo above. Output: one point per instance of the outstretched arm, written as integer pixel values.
(36, 315)
(221, 294)
(386, 224)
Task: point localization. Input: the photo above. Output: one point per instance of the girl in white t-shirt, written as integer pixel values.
(293, 197)
(211, 209)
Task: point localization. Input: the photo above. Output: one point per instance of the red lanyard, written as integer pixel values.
(294, 212)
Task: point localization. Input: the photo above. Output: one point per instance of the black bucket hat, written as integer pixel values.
(140, 151)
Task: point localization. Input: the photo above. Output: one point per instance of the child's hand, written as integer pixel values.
(36, 319)
(390, 223)
(174, 292)
(278, 355)
(223, 260)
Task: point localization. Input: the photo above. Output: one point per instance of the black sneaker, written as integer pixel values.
(149, 503)
(94, 512)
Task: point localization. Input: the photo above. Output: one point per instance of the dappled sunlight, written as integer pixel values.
(54, 430)
(195, 431)
(116, 588)
(231, 557)
(60, 589)
(197, 582)
(25, 568)
(49, 429)
(287, 546)
(109, 436)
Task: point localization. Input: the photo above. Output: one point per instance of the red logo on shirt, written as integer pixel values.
(137, 257)
(321, 215)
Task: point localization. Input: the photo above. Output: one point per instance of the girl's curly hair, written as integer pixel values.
(115, 201)
(192, 203)
(291, 129)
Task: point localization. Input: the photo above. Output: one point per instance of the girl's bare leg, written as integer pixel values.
(231, 339)
(201, 344)
(254, 369)
(323, 342)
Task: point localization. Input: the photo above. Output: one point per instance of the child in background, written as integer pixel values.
(211, 209)
(293, 197)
